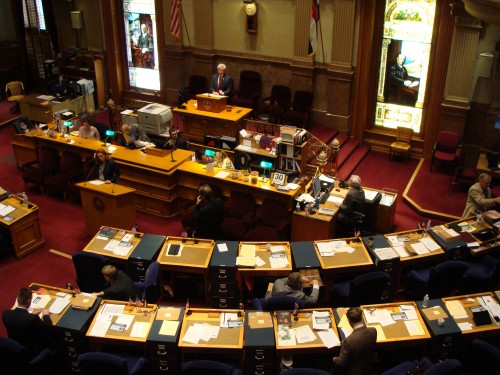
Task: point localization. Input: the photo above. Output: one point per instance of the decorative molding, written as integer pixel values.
(485, 10)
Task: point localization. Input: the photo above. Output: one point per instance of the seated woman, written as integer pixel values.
(103, 167)
(201, 157)
(221, 160)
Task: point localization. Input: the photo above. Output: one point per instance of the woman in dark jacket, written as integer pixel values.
(103, 167)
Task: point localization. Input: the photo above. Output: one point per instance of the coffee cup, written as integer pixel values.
(440, 322)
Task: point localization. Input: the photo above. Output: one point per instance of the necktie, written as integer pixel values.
(218, 84)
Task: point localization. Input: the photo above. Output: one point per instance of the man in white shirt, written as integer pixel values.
(87, 131)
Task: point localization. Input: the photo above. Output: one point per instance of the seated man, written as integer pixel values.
(23, 125)
(176, 141)
(134, 136)
(292, 286)
(26, 328)
(120, 287)
(355, 353)
(205, 221)
(88, 131)
(353, 202)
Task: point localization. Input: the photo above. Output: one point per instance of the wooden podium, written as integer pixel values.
(211, 102)
(107, 205)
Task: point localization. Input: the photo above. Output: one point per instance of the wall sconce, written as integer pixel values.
(76, 19)
(250, 9)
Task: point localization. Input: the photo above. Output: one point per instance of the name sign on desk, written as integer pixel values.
(279, 179)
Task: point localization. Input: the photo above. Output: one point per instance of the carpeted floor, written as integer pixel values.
(5, 114)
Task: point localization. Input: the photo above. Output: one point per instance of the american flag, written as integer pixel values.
(313, 28)
(175, 21)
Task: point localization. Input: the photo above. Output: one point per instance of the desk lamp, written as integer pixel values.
(109, 133)
(265, 165)
(67, 125)
(210, 153)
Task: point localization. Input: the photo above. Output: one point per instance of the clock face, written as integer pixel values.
(250, 9)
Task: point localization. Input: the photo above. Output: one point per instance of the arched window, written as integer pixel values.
(141, 44)
(404, 63)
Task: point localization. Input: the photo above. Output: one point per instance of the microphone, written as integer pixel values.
(92, 170)
(172, 154)
(114, 184)
(188, 311)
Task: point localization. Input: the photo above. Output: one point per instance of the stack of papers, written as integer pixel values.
(384, 253)
(246, 257)
(325, 249)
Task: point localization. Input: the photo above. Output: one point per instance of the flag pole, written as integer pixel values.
(185, 25)
(321, 37)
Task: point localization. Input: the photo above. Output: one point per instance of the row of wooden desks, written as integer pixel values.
(168, 335)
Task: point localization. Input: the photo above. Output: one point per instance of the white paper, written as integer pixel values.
(126, 319)
(410, 312)
(317, 322)
(209, 332)
(412, 328)
(304, 334)
(222, 174)
(401, 250)
(394, 240)
(259, 262)
(278, 262)
(222, 247)
(99, 237)
(140, 329)
(225, 317)
(112, 245)
(59, 304)
(243, 133)
(277, 248)
(96, 182)
(127, 237)
(193, 334)
(112, 309)
(101, 325)
(329, 338)
(335, 199)
(347, 332)
(39, 301)
(370, 316)
(384, 317)
(464, 326)
(429, 243)
(419, 248)
(286, 336)
(370, 194)
(121, 250)
(325, 249)
(386, 253)
(7, 210)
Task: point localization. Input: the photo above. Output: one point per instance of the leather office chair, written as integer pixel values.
(204, 367)
(466, 172)
(445, 149)
(482, 275)
(88, 268)
(277, 303)
(22, 124)
(300, 114)
(149, 288)
(197, 85)
(270, 224)
(241, 208)
(366, 289)
(425, 366)
(242, 160)
(370, 212)
(274, 106)
(15, 359)
(14, 91)
(485, 357)
(70, 172)
(249, 90)
(48, 164)
(303, 371)
(104, 363)
(101, 128)
(402, 144)
(438, 281)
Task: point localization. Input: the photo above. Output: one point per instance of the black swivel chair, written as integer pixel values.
(88, 269)
(15, 359)
(366, 289)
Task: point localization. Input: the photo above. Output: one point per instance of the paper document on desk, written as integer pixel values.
(304, 334)
(286, 336)
(225, 318)
(370, 194)
(326, 249)
(456, 309)
(140, 329)
(429, 243)
(321, 320)
(101, 325)
(222, 247)
(193, 333)
(414, 328)
(222, 174)
(59, 304)
(169, 327)
(209, 331)
(419, 248)
(97, 182)
(279, 262)
(401, 250)
(6, 210)
(465, 326)
(39, 301)
(329, 338)
(125, 319)
(384, 317)
(384, 253)
(335, 199)
(112, 309)
(410, 312)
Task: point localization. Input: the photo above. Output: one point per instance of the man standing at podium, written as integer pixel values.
(221, 83)
(103, 168)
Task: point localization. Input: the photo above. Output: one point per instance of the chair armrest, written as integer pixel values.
(258, 304)
(139, 366)
(253, 220)
(42, 358)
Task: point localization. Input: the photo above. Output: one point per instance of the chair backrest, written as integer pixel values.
(48, 158)
(485, 357)
(302, 101)
(197, 85)
(17, 124)
(370, 210)
(281, 94)
(404, 134)
(102, 363)
(88, 268)
(240, 204)
(101, 128)
(71, 162)
(469, 155)
(186, 145)
(14, 88)
(203, 367)
(241, 160)
(447, 141)
(279, 303)
(368, 288)
(273, 213)
(152, 274)
(304, 371)
(445, 277)
(250, 84)
(13, 356)
(447, 367)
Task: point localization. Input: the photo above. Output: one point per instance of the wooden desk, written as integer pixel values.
(321, 227)
(136, 332)
(24, 228)
(193, 257)
(350, 256)
(409, 258)
(247, 274)
(229, 341)
(191, 174)
(467, 302)
(305, 318)
(468, 230)
(106, 237)
(107, 205)
(196, 123)
(41, 110)
(482, 166)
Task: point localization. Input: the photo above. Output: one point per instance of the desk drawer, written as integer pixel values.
(224, 303)
(223, 290)
(252, 368)
(137, 269)
(162, 351)
(222, 274)
(445, 343)
(164, 366)
(260, 354)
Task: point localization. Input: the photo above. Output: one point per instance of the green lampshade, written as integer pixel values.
(67, 123)
(210, 152)
(110, 133)
(266, 164)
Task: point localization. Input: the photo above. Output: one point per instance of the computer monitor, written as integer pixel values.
(316, 186)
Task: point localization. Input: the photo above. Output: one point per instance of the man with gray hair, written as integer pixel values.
(479, 198)
(291, 286)
(221, 83)
(353, 202)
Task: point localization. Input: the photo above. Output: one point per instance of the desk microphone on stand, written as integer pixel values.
(114, 184)
(172, 155)
(92, 170)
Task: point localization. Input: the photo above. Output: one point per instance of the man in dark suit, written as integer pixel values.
(355, 353)
(176, 141)
(221, 83)
(353, 202)
(205, 221)
(120, 287)
(26, 328)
